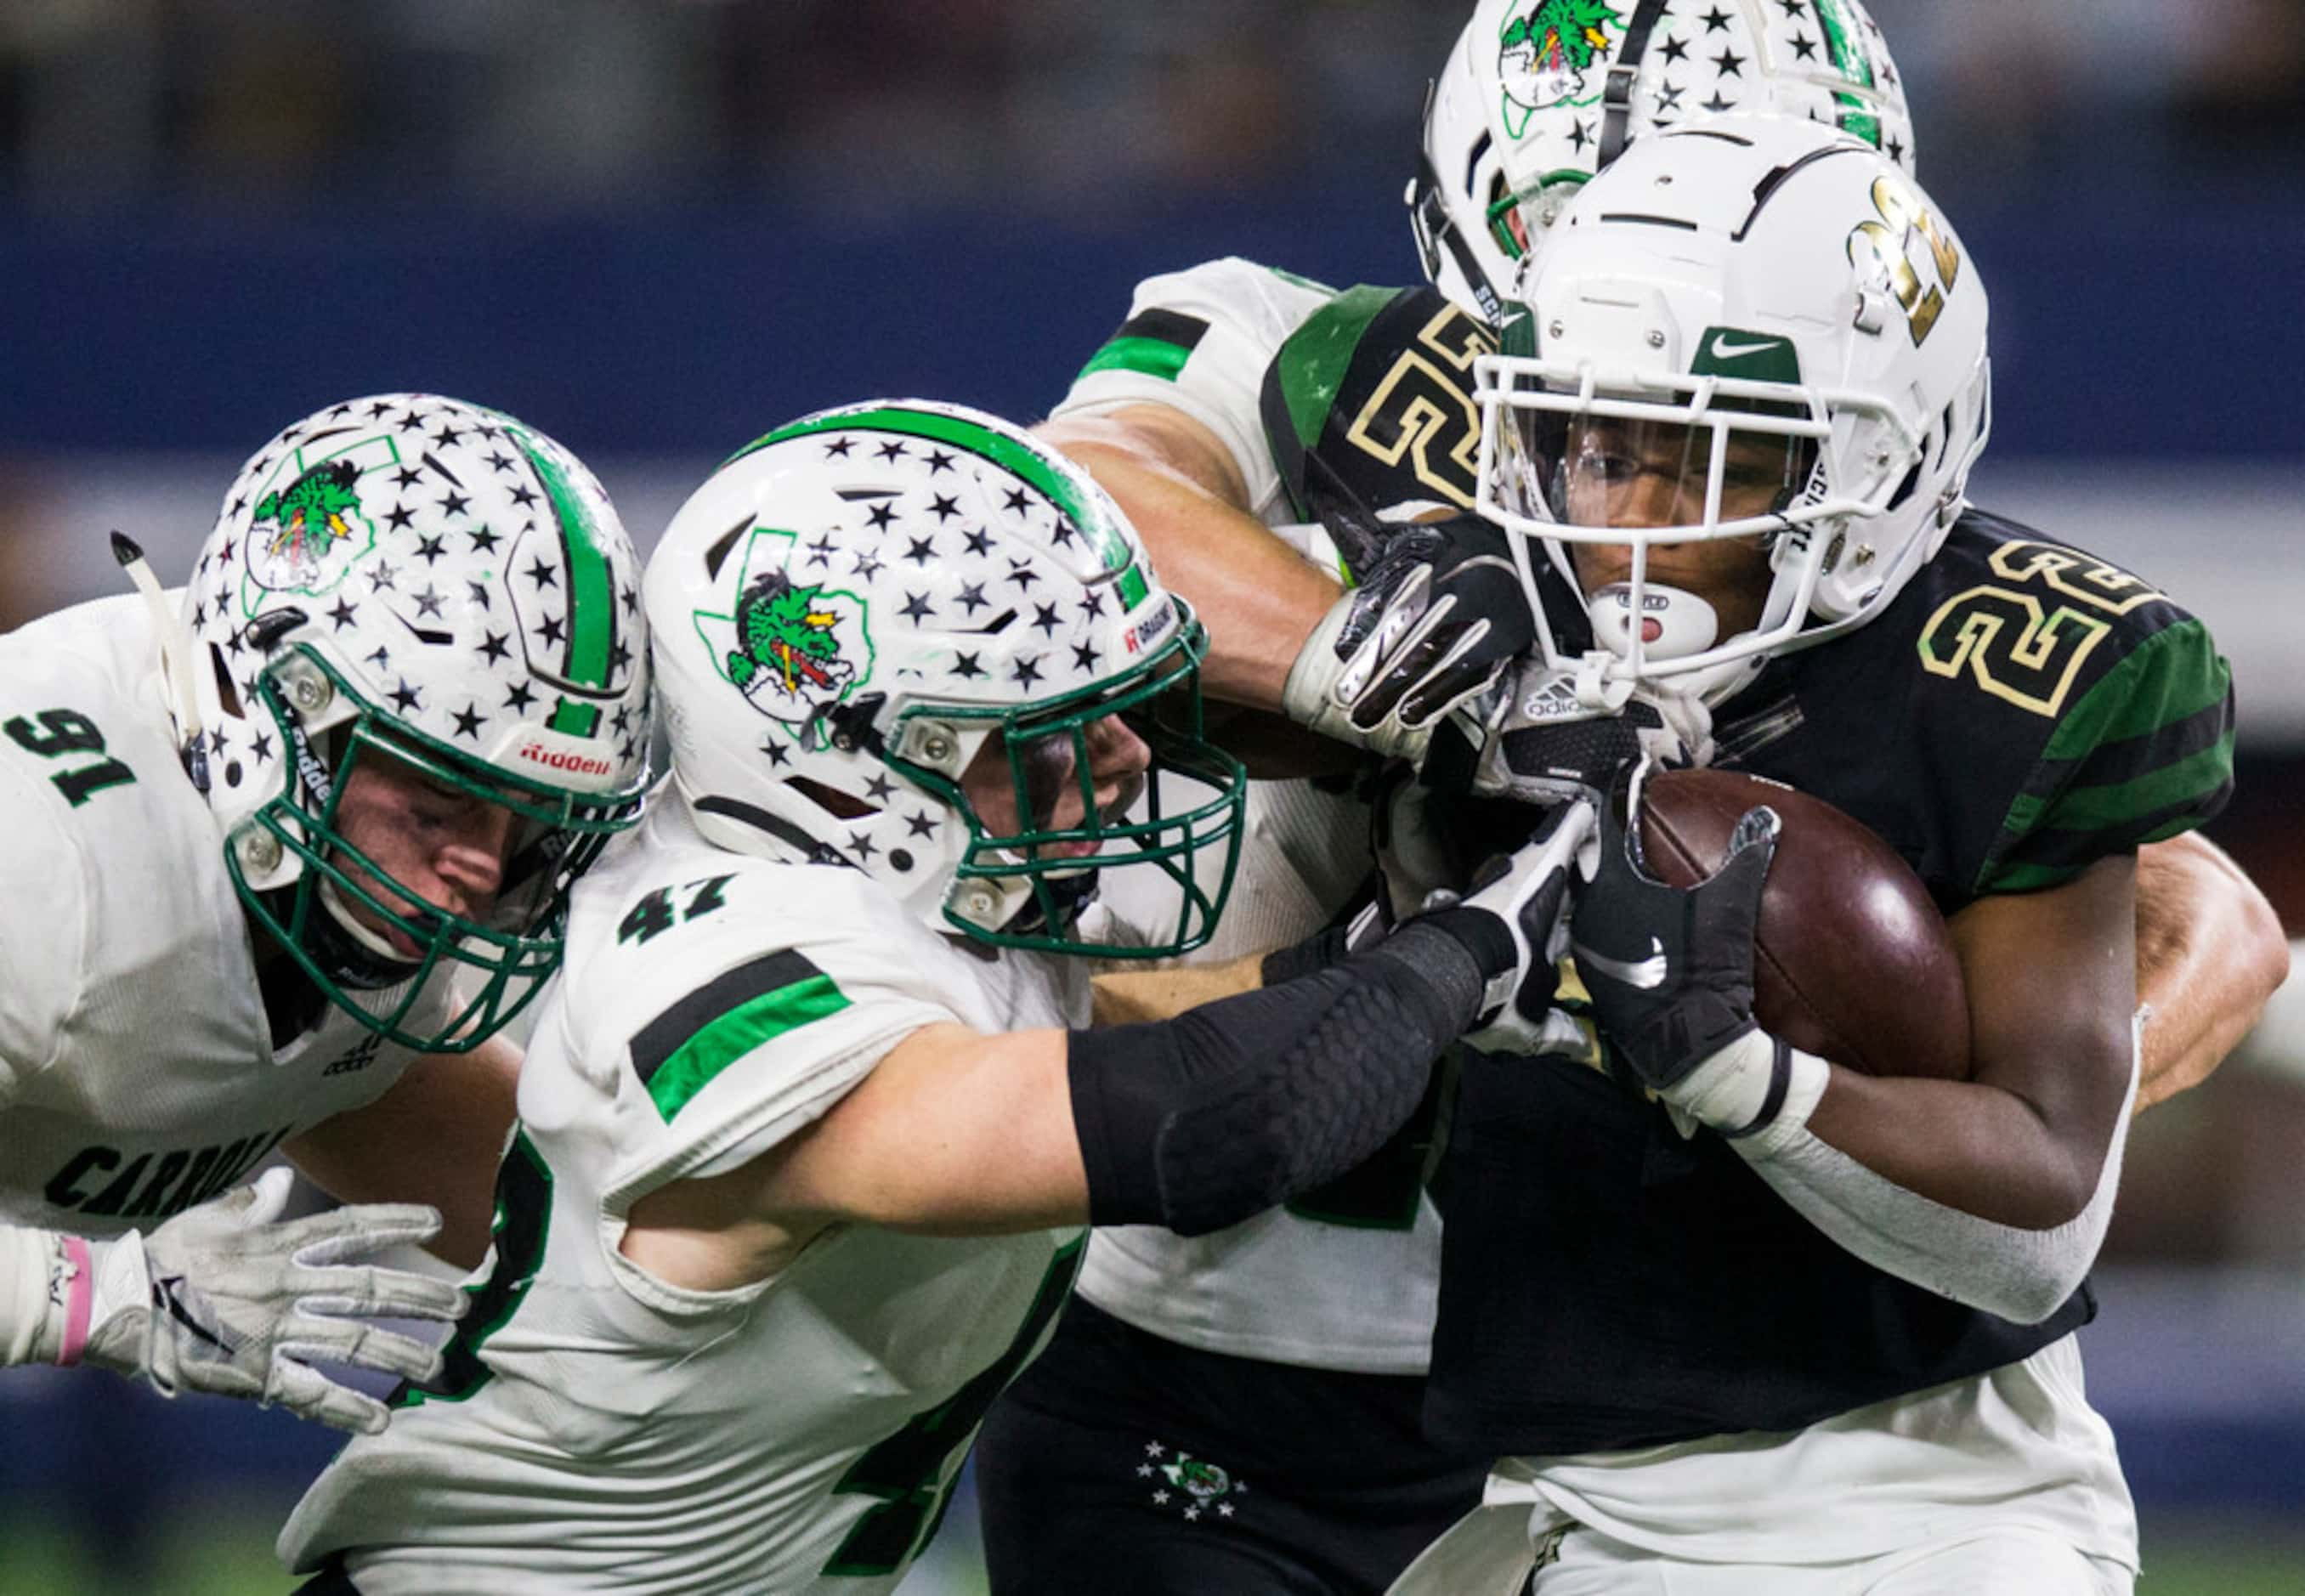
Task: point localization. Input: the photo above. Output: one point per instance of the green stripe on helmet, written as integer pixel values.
(1093, 518)
(577, 720)
(1133, 588)
(737, 1032)
(592, 593)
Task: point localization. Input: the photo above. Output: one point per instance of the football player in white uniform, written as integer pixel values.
(279, 860)
(1255, 425)
(808, 1135)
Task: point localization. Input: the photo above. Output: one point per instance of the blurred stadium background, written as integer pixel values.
(658, 229)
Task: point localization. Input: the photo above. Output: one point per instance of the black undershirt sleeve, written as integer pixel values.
(1202, 1121)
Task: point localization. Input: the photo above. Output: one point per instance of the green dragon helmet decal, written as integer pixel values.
(414, 579)
(961, 590)
(795, 650)
(1546, 54)
(317, 531)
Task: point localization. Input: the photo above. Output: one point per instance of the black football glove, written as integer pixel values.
(1670, 970)
(1439, 613)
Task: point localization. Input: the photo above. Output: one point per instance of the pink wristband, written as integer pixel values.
(83, 1300)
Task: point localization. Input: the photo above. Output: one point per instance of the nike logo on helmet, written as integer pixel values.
(1647, 975)
(1722, 350)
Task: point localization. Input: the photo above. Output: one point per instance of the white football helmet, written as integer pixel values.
(1754, 326)
(852, 607)
(1539, 95)
(416, 578)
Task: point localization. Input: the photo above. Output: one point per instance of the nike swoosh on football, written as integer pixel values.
(1647, 975)
(1722, 350)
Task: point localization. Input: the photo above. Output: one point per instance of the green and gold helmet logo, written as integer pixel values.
(794, 648)
(1546, 55)
(316, 530)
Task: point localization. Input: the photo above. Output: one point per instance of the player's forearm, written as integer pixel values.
(435, 1137)
(2210, 953)
(1259, 599)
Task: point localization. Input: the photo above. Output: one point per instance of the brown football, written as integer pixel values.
(1853, 962)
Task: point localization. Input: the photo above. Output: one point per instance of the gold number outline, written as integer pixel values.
(1420, 419)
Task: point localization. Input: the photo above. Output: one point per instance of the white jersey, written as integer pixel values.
(600, 1430)
(137, 1069)
(1319, 1286)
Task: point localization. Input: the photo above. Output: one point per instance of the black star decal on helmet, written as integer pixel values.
(342, 612)
(380, 578)
(1716, 20)
(554, 630)
(411, 422)
(429, 549)
(523, 496)
(217, 742)
(1669, 100)
(380, 409)
(628, 598)
(868, 566)
(1792, 8)
(819, 553)
(407, 476)
(1044, 616)
(881, 788)
(500, 460)
(882, 515)
(938, 460)
(1579, 136)
(1091, 603)
(224, 555)
(468, 722)
(838, 447)
(478, 591)
(1897, 151)
(915, 608)
(1804, 46)
(262, 746)
(1730, 65)
(381, 658)
(778, 755)
(1720, 102)
(1063, 532)
(1676, 50)
(455, 504)
(1027, 670)
(521, 697)
(1021, 574)
(543, 575)
(965, 667)
(1888, 72)
(405, 697)
(446, 436)
(1018, 501)
(978, 540)
(495, 647)
(891, 450)
(943, 508)
(484, 541)
(920, 824)
(972, 597)
(1084, 656)
(398, 517)
(620, 655)
(429, 601)
(861, 844)
(922, 550)
(238, 504)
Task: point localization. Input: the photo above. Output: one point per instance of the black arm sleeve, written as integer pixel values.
(1199, 1122)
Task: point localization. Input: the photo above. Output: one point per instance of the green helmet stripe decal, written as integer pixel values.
(1855, 65)
(1094, 521)
(591, 592)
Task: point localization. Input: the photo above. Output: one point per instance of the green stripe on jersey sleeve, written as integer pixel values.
(2146, 754)
(1146, 357)
(680, 1052)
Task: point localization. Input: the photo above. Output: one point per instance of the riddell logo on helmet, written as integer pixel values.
(556, 758)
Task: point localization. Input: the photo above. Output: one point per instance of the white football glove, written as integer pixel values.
(1527, 892)
(225, 1299)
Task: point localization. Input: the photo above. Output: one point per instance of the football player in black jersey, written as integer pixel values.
(1693, 1264)
(1236, 400)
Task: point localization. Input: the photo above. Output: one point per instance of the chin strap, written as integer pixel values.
(179, 651)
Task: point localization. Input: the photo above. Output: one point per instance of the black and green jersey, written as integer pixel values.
(1369, 404)
(2020, 710)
